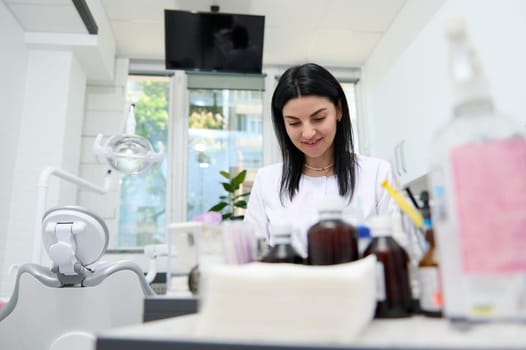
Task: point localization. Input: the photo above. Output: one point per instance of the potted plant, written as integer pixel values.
(233, 200)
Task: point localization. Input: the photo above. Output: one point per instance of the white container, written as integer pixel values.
(479, 185)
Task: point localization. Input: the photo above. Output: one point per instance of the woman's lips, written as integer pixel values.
(311, 143)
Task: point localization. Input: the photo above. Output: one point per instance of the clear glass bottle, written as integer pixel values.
(478, 185)
(282, 251)
(331, 240)
(428, 267)
(394, 298)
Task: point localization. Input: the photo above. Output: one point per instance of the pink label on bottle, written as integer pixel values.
(489, 180)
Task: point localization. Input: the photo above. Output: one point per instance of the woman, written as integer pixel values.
(313, 126)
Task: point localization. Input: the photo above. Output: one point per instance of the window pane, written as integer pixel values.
(350, 95)
(143, 196)
(225, 134)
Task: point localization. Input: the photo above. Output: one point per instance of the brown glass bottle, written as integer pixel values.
(394, 298)
(428, 267)
(282, 250)
(331, 240)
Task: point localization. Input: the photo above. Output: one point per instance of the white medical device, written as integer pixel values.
(128, 153)
(73, 238)
(83, 296)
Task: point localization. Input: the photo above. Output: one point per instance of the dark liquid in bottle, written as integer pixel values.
(283, 253)
(332, 241)
(398, 298)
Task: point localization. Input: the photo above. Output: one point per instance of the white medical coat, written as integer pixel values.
(264, 204)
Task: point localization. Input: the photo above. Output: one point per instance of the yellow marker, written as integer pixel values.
(404, 205)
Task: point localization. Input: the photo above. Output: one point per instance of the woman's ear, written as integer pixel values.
(339, 112)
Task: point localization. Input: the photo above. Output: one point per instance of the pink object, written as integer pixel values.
(490, 191)
(209, 217)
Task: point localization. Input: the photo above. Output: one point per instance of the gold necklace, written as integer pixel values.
(319, 169)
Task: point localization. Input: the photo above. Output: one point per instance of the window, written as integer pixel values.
(350, 94)
(216, 125)
(224, 134)
(143, 197)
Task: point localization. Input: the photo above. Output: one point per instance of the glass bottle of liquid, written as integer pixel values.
(402, 238)
(478, 186)
(394, 297)
(331, 240)
(282, 251)
(428, 267)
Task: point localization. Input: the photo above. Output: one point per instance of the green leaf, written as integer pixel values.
(226, 216)
(225, 174)
(239, 178)
(240, 204)
(219, 206)
(241, 195)
(228, 187)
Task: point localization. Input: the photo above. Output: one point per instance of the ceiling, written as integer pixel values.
(337, 33)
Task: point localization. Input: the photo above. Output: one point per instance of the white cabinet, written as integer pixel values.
(413, 99)
(407, 112)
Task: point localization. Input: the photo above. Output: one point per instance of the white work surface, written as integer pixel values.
(410, 333)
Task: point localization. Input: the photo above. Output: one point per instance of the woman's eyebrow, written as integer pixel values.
(312, 114)
(318, 111)
(290, 117)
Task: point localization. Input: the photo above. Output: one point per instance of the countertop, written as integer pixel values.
(417, 332)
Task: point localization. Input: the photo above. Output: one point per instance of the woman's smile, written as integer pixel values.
(312, 142)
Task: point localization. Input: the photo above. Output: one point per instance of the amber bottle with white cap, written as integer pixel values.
(394, 298)
(282, 250)
(331, 240)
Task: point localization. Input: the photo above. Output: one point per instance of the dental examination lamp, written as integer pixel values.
(128, 153)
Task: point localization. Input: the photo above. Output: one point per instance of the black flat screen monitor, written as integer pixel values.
(219, 42)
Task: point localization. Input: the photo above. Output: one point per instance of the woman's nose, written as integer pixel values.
(308, 131)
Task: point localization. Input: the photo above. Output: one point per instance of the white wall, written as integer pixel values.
(42, 94)
(405, 28)
(50, 121)
(12, 70)
(412, 98)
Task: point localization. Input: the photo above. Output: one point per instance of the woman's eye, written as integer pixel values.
(319, 119)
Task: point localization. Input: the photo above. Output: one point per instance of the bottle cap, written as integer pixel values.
(280, 228)
(380, 226)
(425, 209)
(331, 203)
(363, 231)
(281, 232)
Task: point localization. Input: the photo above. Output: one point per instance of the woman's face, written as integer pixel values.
(310, 122)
